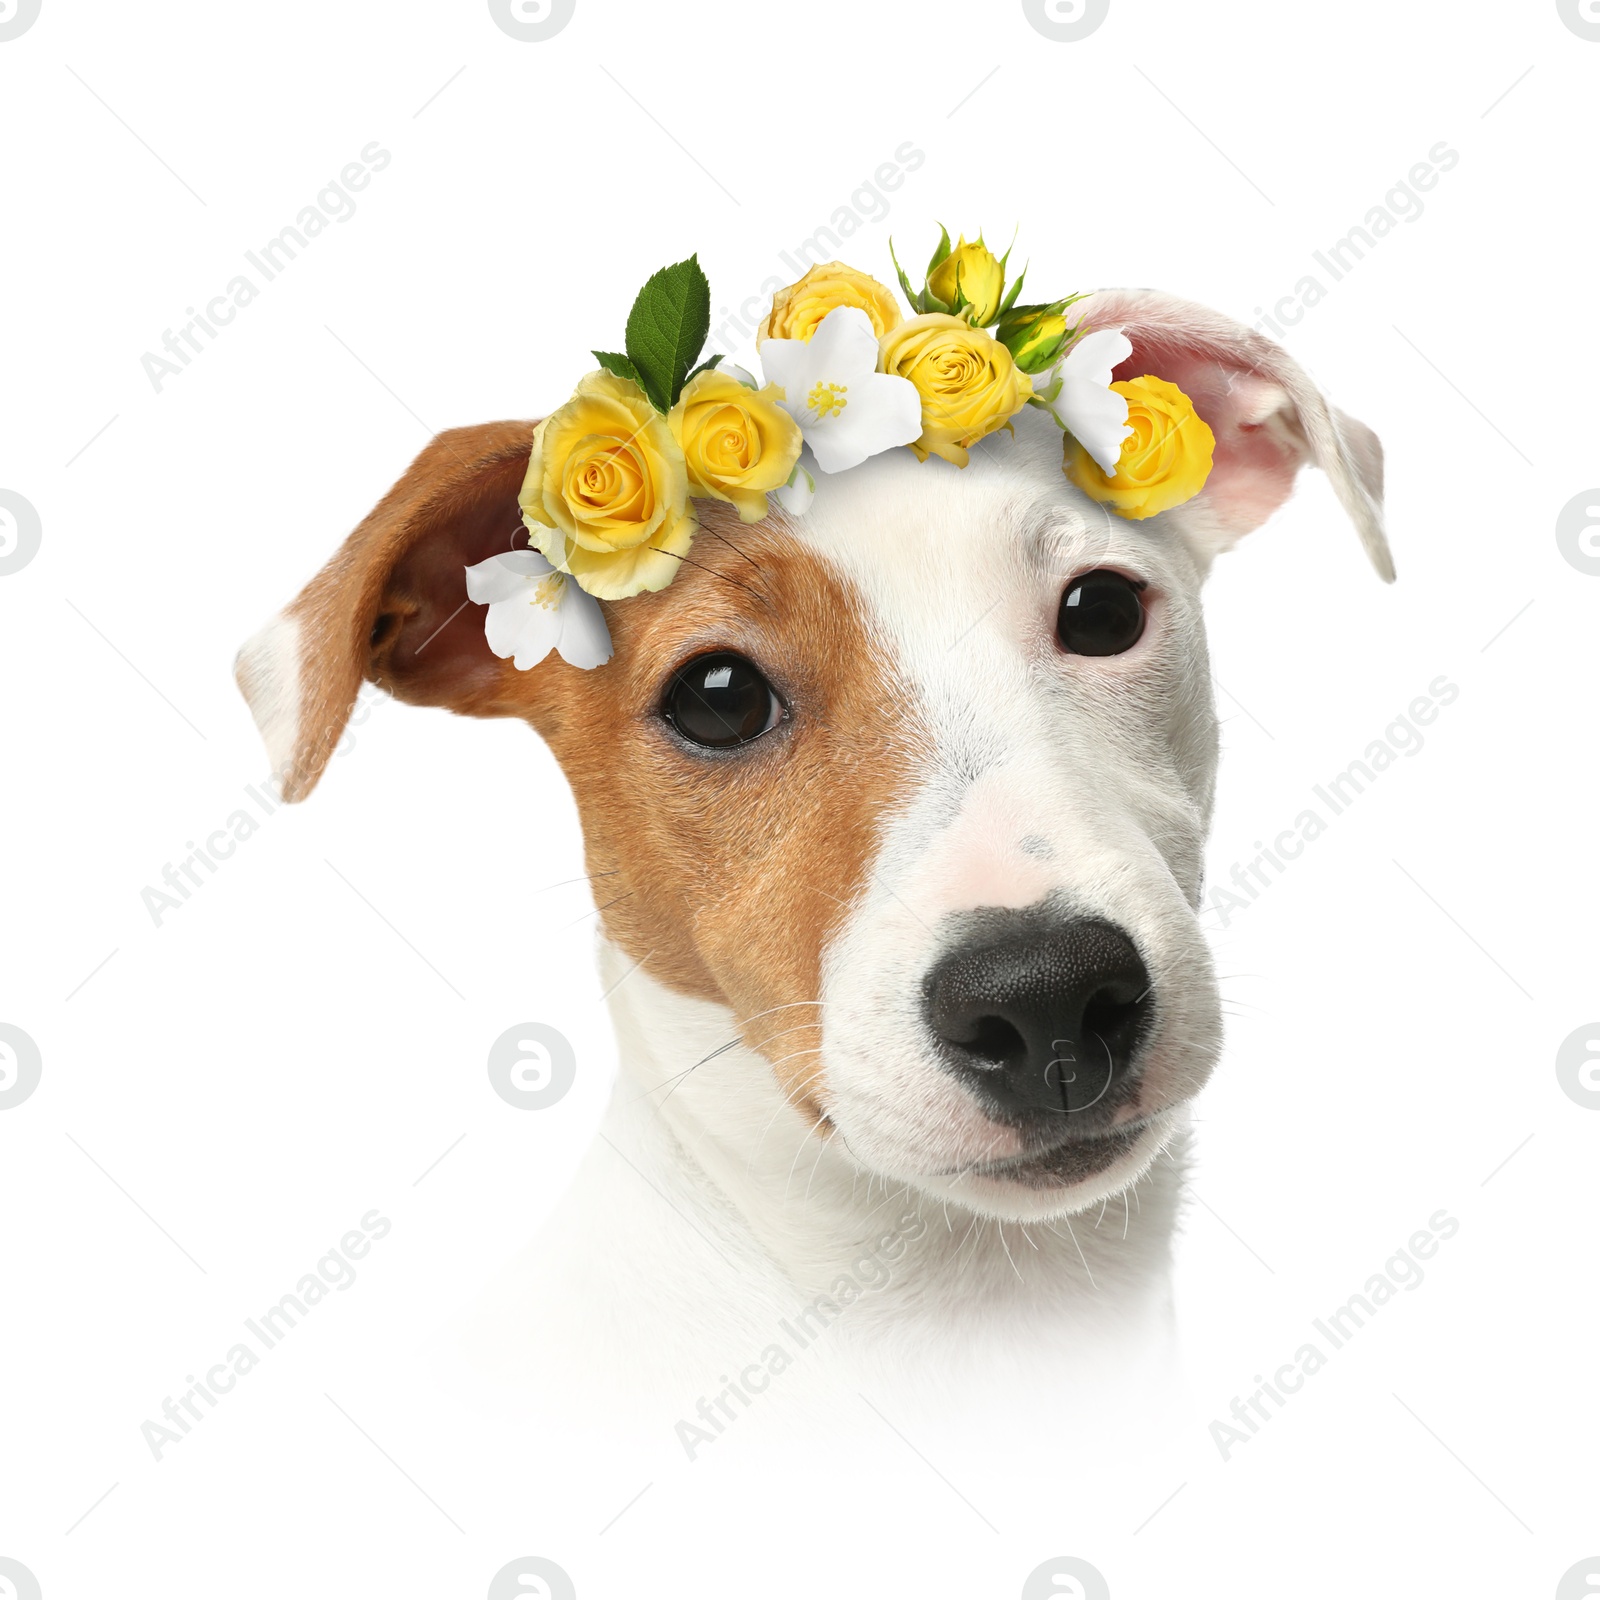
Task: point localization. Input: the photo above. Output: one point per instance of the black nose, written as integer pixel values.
(1041, 1017)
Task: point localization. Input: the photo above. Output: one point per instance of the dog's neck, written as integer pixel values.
(702, 1119)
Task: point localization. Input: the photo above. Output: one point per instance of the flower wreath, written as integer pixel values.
(613, 474)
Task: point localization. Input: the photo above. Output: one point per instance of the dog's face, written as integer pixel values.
(915, 786)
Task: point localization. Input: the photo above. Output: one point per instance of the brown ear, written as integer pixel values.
(391, 607)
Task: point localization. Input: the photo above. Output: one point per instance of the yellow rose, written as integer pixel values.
(797, 310)
(737, 442)
(1165, 460)
(967, 380)
(606, 496)
(980, 276)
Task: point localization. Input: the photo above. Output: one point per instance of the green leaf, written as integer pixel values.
(1046, 397)
(1016, 288)
(905, 282)
(961, 302)
(667, 328)
(705, 366)
(612, 362)
(940, 251)
(1015, 317)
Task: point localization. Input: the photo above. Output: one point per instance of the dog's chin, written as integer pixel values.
(1068, 1177)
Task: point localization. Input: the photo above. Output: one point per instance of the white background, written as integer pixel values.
(226, 1094)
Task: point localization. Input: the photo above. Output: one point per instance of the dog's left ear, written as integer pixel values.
(391, 607)
(1269, 418)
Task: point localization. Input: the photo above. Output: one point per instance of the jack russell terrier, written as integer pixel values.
(898, 812)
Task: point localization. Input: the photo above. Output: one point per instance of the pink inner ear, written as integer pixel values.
(1259, 450)
(1268, 416)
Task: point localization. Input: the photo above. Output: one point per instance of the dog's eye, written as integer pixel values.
(1101, 615)
(720, 701)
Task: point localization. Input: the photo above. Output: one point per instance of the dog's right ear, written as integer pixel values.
(1267, 416)
(391, 607)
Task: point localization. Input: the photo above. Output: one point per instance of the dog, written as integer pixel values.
(896, 814)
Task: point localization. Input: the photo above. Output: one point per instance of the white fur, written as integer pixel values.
(268, 670)
(707, 1221)
(1108, 762)
(710, 1209)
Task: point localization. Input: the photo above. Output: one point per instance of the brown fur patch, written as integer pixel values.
(728, 875)
(724, 875)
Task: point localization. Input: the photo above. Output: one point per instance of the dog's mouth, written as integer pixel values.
(1059, 1166)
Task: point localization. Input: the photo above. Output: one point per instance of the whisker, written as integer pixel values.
(678, 1077)
(722, 575)
(798, 1152)
(794, 1055)
(733, 547)
(626, 895)
(746, 1021)
(1081, 1256)
(785, 1102)
(967, 1235)
(1007, 1248)
(822, 1145)
(763, 1043)
(587, 878)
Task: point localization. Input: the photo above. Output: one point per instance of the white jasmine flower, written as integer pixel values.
(533, 609)
(1087, 406)
(846, 408)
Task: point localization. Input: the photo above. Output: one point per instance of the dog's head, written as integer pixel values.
(915, 786)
